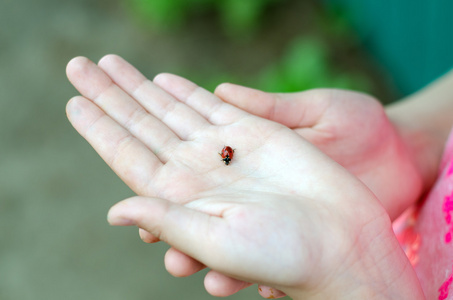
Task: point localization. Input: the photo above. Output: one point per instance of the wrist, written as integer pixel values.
(423, 143)
(376, 268)
(424, 122)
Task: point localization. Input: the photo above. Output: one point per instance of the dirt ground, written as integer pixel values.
(55, 191)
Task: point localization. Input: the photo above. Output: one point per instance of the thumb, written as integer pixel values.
(294, 110)
(188, 230)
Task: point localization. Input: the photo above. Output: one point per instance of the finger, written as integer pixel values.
(253, 101)
(192, 232)
(147, 237)
(179, 264)
(127, 156)
(204, 102)
(293, 110)
(95, 85)
(180, 118)
(270, 293)
(220, 285)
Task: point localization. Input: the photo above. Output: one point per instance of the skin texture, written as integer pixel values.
(282, 204)
(352, 128)
(406, 146)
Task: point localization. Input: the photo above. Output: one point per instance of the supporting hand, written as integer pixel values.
(352, 128)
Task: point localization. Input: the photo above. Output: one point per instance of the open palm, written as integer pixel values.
(163, 137)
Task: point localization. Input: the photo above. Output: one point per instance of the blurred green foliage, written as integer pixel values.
(305, 64)
(241, 15)
(237, 16)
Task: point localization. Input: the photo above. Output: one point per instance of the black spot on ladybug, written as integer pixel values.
(227, 154)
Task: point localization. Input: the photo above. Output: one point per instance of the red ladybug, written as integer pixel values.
(227, 154)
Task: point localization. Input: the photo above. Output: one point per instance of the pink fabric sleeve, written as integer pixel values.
(426, 233)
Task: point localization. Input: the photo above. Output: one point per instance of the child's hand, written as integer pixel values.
(281, 214)
(352, 128)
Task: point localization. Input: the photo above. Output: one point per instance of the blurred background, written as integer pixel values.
(55, 191)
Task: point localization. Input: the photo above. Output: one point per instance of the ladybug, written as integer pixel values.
(227, 154)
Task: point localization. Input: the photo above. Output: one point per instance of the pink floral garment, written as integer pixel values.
(426, 233)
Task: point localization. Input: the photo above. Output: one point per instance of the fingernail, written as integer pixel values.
(116, 216)
(120, 221)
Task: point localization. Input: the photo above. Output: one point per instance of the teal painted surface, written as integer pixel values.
(412, 39)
